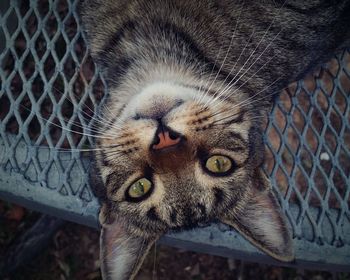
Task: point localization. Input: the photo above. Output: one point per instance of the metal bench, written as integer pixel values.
(51, 91)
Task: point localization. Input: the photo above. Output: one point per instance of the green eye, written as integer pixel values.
(139, 188)
(218, 164)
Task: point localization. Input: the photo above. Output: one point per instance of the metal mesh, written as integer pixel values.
(308, 148)
(51, 91)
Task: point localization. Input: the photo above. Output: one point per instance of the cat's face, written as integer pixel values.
(175, 159)
(194, 154)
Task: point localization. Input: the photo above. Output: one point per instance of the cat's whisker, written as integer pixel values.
(72, 153)
(71, 123)
(74, 105)
(248, 100)
(70, 96)
(243, 103)
(234, 78)
(73, 149)
(67, 129)
(209, 83)
(221, 66)
(102, 121)
(232, 93)
(111, 137)
(107, 119)
(246, 103)
(231, 116)
(90, 128)
(230, 86)
(234, 114)
(94, 117)
(36, 115)
(234, 67)
(198, 93)
(204, 93)
(52, 159)
(231, 83)
(113, 154)
(108, 126)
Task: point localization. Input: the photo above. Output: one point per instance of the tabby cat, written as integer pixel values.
(189, 84)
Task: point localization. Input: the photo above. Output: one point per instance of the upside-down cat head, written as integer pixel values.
(174, 160)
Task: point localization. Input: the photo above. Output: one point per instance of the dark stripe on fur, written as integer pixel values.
(114, 41)
(173, 216)
(256, 146)
(109, 178)
(119, 69)
(103, 158)
(219, 196)
(238, 119)
(195, 53)
(152, 214)
(113, 120)
(96, 183)
(239, 140)
(188, 217)
(310, 10)
(115, 179)
(194, 48)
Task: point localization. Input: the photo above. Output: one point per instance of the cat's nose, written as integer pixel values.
(165, 138)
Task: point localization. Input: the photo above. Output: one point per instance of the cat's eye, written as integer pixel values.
(218, 164)
(139, 188)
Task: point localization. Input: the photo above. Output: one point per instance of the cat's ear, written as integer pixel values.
(121, 253)
(261, 221)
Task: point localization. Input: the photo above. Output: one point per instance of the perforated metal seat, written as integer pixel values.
(51, 92)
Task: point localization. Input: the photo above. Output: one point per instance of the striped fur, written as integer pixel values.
(207, 70)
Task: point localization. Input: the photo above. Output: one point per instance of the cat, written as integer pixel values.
(189, 84)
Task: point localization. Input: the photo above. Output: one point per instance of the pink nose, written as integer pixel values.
(165, 141)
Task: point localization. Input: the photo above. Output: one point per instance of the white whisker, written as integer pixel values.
(224, 99)
(95, 117)
(230, 85)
